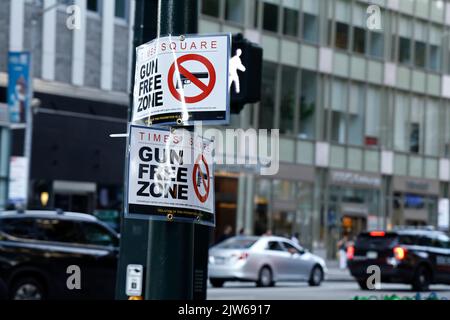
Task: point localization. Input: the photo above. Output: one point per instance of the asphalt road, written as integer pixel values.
(328, 291)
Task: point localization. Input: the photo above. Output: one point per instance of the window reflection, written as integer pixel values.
(307, 104)
(266, 112)
(289, 79)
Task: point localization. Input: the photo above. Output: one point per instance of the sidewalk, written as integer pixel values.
(336, 274)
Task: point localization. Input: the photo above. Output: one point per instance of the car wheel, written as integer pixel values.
(422, 279)
(265, 278)
(316, 277)
(217, 283)
(27, 289)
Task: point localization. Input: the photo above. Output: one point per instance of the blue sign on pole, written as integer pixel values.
(18, 86)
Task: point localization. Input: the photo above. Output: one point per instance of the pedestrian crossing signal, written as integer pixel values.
(244, 73)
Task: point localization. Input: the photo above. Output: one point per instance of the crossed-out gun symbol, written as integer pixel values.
(185, 81)
(200, 176)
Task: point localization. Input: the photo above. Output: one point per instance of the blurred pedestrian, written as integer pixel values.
(296, 238)
(268, 233)
(342, 249)
(227, 233)
(241, 232)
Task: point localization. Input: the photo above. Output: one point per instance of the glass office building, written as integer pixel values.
(364, 116)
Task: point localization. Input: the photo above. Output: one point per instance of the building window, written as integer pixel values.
(310, 23)
(330, 33)
(211, 8)
(376, 45)
(421, 38)
(341, 40)
(416, 125)
(234, 10)
(270, 17)
(307, 104)
(420, 49)
(289, 77)
(432, 127)
(93, 5)
(414, 137)
(284, 190)
(434, 60)
(267, 105)
(435, 40)
(290, 24)
(447, 130)
(356, 114)
(310, 28)
(401, 116)
(373, 111)
(359, 40)
(404, 55)
(339, 94)
(121, 9)
(342, 16)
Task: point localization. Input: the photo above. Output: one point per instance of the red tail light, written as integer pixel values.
(242, 256)
(399, 253)
(377, 234)
(350, 252)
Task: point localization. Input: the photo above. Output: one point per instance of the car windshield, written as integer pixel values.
(237, 243)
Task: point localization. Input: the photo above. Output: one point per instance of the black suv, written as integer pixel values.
(416, 257)
(38, 248)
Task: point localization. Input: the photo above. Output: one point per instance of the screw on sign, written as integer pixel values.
(201, 179)
(188, 77)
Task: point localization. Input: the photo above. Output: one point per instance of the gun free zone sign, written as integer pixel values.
(180, 80)
(170, 174)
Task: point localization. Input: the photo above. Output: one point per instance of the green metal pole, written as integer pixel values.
(170, 266)
(180, 17)
(174, 255)
(134, 233)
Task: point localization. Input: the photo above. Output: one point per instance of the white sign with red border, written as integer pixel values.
(180, 80)
(171, 174)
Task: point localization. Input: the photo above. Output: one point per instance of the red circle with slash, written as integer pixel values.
(206, 89)
(205, 181)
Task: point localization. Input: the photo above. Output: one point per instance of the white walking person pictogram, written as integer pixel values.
(235, 65)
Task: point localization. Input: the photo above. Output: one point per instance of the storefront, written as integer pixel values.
(415, 201)
(226, 196)
(353, 204)
(281, 204)
(284, 203)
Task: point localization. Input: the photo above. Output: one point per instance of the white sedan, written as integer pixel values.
(264, 260)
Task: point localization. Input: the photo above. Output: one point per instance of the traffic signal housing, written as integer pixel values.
(251, 56)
